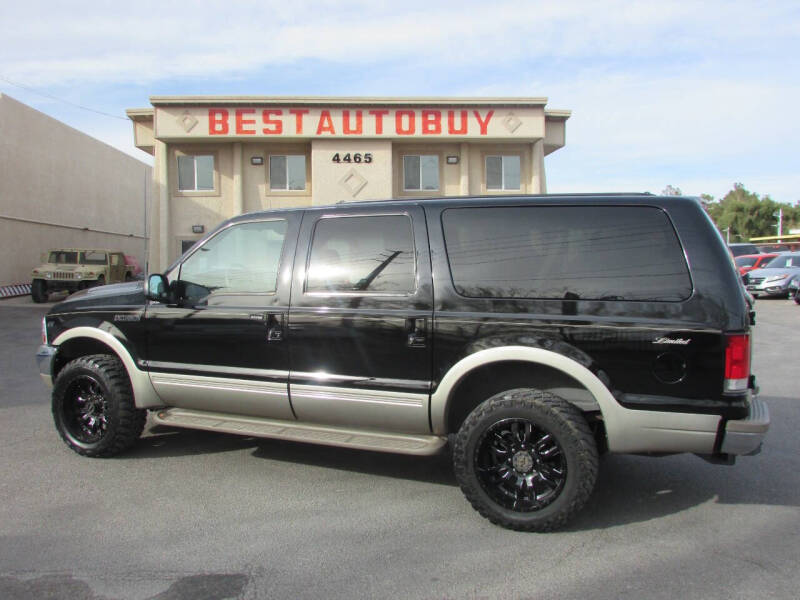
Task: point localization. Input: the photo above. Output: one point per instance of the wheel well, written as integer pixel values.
(75, 348)
(488, 380)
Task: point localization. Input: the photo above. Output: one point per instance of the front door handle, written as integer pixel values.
(275, 325)
(416, 332)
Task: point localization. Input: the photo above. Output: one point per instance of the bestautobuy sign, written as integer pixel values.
(376, 122)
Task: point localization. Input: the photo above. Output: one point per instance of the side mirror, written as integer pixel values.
(157, 288)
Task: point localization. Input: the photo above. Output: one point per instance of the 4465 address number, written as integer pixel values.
(356, 157)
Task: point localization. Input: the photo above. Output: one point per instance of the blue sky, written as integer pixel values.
(698, 95)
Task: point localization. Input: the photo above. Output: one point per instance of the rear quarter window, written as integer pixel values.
(572, 252)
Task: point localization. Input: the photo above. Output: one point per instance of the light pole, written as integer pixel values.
(779, 214)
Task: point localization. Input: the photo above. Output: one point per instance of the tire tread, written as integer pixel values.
(130, 420)
(571, 417)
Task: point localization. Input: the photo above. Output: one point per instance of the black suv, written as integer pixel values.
(533, 333)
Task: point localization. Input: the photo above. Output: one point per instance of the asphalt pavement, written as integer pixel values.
(192, 515)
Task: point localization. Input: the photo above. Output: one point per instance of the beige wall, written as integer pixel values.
(60, 187)
(349, 182)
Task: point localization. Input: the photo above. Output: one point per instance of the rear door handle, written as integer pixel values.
(416, 332)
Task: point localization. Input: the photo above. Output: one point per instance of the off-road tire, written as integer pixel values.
(39, 291)
(101, 280)
(547, 414)
(93, 406)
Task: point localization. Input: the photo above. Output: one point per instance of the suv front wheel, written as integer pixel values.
(526, 460)
(93, 406)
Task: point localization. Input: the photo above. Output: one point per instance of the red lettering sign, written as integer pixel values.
(273, 126)
(379, 114)
(298, 119)
(241, 122)
(411, 126)
(217, 121)
(346, 129)
(325, 124)
(451, 123)
(483, 124)
(431, 122)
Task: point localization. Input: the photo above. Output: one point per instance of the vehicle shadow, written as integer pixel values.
(629, 489)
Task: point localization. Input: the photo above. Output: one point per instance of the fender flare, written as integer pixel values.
(143, 392)
(627, 430)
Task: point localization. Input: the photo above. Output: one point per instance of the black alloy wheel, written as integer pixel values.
(85, 409)
(93, 406)
(526, 460)
(520, 465)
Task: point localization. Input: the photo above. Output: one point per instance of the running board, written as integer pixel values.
(399, 443)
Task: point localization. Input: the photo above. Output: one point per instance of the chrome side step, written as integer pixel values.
(399, 443)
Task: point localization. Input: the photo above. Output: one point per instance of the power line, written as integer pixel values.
(56, 98)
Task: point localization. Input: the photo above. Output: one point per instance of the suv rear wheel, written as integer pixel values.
(526, 460)
(93, 406)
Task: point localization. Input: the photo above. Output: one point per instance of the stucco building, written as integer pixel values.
(62, 188)
(216, 157)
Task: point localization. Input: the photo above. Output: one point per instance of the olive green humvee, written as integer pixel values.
(77, 268)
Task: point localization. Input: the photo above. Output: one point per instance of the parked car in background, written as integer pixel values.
(773, 278)
(748, 262)
(743, 248)
(74, 269)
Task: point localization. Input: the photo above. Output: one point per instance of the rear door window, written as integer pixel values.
(362, 255)
(566, 252)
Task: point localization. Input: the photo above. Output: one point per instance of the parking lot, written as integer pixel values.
(196, 515)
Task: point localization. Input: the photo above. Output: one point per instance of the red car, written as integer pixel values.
(748, 262)
(133, 262)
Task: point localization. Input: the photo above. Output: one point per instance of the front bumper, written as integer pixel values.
(744, 436)
(44, 358)
(769, 288)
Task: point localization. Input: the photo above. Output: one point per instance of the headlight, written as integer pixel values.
(48, 275)
(777, 277)
(78, 275)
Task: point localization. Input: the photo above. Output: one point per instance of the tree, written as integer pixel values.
(671, 191)
(748, 215)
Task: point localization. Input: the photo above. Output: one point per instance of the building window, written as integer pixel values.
(287, 172)
(195, 173)
(420, 173)
(502, 173)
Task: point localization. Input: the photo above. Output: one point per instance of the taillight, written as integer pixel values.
(737, 363)
(44, 331)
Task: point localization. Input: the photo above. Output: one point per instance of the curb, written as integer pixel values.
(9, 291)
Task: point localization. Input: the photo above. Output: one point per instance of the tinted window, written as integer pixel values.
(784, 261)
(240, 259)
(362, 254)
(94, 258)
(745, 261)
(64, 258)
(628, 253)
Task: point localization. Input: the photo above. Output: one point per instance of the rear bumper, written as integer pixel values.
(744, 436)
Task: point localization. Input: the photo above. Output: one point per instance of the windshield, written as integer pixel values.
(60, 257)
(746, 261)
(93, 258)
(784, 261)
